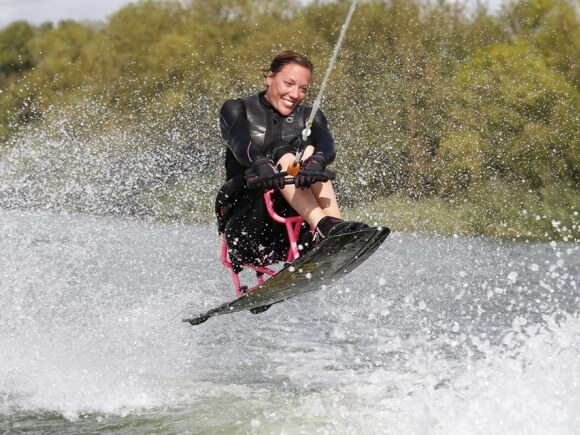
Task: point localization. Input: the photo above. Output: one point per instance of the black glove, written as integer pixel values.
(310, 172)
(263, 175)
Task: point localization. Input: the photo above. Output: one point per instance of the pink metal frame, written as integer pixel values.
(293, 225)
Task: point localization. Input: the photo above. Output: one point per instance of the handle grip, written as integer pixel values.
(255, 183)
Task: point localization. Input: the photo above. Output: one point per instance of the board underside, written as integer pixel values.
(334, 258)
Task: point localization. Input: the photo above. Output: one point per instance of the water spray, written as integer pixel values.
(294, 167)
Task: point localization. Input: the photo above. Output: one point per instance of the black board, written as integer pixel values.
(332, 259)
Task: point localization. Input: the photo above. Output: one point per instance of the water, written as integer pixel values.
(430, 336)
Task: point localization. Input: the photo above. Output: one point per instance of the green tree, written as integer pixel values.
(398, 63)
(15, 54)
(523, 116)
(425, 97)
(553, 27)
(58, 55)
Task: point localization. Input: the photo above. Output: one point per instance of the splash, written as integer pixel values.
(85, 159)
(318, 100)
(437, 336)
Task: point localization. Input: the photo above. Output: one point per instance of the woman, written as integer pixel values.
(261, 133)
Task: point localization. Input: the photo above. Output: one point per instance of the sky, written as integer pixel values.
(40, 11)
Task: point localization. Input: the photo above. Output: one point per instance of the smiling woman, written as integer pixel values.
(263, 135)
(287, 80)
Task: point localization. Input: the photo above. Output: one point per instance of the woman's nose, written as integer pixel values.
(295, 92)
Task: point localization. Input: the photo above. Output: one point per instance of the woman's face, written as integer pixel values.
(287, 88)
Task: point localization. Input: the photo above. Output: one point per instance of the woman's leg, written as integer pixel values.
(312, 204)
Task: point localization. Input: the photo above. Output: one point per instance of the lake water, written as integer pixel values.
(430, 336)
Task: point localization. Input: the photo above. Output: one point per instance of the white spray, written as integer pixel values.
(306, 131)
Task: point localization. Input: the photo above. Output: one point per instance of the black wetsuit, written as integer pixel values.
(254, 129)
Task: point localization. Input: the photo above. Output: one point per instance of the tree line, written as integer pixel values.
(428, 99)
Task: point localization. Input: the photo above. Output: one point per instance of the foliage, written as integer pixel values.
(494, 210)
(15, 56)
(427, 100)
(513, 119)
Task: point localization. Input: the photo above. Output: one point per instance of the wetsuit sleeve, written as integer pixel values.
(234, 129)
(321, 137)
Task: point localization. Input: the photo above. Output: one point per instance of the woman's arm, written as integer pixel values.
(321, 137)
(234, 129)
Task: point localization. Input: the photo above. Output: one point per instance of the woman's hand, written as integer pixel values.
(264, 175)
(310, 170)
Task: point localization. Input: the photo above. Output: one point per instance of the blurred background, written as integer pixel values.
(454, 117)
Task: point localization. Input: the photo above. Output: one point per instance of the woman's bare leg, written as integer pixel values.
(312, 204)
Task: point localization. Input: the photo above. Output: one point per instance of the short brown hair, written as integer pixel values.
(286, 57)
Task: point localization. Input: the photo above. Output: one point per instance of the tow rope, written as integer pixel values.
(294, 167)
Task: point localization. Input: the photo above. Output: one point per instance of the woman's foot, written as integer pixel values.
(329, 226)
